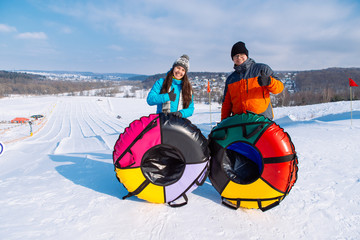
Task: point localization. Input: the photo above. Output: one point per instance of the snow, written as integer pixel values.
(60, 182)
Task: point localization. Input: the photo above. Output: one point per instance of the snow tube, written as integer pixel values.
(253, 162)
(160, 158)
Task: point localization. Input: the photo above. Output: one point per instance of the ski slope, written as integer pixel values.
(60, 182)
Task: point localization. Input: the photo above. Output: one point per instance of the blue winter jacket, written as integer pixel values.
(156, 98)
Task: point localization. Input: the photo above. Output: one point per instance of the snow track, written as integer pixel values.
(78, 127)
(60, 183)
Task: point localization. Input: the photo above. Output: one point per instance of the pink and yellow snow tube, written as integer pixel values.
(160, 158)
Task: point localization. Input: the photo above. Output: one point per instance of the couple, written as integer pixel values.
(247, 89)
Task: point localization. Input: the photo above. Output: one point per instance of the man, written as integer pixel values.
(248, 88)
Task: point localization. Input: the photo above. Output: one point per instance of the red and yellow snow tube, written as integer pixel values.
(253, 162)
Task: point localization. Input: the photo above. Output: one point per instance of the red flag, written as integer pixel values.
(352, 83)
(208, 87)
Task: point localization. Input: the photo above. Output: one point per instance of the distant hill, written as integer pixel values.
(85, 76)
(327, 85)
(16, 77)
(302, 87)
(138, 78)
(331, 78)
(25, 83)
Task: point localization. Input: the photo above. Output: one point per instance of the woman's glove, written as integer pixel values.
(263, 80)
(172, 95)
(177, 114)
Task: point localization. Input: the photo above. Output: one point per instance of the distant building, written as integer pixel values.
(20, 120)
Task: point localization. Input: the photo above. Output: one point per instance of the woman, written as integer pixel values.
(174, 93)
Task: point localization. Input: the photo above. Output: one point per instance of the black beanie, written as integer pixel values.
(238, 48)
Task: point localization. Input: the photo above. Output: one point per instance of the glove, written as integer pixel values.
(177, 114)
(172, 95)
(263, 80)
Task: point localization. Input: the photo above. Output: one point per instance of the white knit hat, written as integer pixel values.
(183, 61)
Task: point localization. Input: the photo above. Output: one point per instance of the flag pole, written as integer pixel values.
(351, 105)
(208, 90)
(352, 83)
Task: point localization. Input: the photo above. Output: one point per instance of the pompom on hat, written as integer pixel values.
(238, 48)
(183, 61)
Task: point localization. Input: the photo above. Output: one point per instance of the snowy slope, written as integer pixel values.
(60, 183)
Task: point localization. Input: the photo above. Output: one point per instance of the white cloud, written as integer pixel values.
(284, 34)
(59, 27)
(66, 30)
(116, 47)
(7, 28)
(32, 35)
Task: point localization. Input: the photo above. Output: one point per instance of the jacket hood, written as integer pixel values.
(243, 67)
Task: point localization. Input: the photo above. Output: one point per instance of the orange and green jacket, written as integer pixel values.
(243, 93)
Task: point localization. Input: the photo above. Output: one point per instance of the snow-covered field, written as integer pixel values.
(60, 182)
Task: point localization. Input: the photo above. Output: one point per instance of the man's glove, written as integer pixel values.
(177, 114)
(172, 95)
(263, 80)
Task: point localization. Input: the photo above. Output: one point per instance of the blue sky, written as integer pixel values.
(146, 37)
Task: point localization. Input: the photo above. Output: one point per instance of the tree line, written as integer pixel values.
(311, 87)
(327, 85)
(32, 84)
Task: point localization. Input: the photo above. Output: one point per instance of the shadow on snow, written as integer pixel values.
(86, 170)
(339, 116)
(286, 121)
